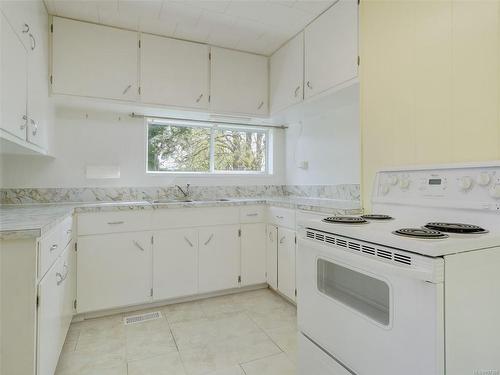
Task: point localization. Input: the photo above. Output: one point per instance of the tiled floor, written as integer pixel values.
(252, 333)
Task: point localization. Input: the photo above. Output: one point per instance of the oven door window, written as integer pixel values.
(365, 294)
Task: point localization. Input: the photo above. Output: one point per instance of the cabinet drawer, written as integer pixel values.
(53, 244)
(252, 214)
(113, 222)
(283, 217)
(171, 218)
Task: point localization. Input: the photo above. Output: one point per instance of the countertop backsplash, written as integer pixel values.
(349, 192)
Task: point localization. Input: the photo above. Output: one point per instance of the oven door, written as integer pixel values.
(374, 317)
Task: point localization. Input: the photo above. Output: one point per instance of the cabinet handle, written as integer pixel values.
(62, 277)
(138, 245)
(53, 247)
(199, 98)
(260, 105)
(282, 239)
(271, 237)
(26, 28)
(115, 222)
(254, 214)
(33, 42)
(296, 91)
(309, 85)
(189, 242)
(69, 231)
(23, 126)
(35, 126)
(280, 217)
(209, 239)
(126, 89)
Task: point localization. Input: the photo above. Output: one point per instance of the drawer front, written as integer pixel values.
(283, 217)
(113, 222)
(53, 244)
(171, 218)
(252, 214)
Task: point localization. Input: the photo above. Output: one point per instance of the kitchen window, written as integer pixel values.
(184, 147)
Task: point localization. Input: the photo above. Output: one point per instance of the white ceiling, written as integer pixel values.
(259, 26)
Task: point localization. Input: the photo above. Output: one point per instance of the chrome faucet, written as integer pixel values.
(184, 192)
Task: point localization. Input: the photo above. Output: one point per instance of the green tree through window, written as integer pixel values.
(180, 148)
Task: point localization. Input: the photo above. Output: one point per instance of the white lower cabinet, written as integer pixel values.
(286, 262)
(253, 254)
(272, 256)
(56, 295)
(175, 263)
(114, 270)
(219, 258)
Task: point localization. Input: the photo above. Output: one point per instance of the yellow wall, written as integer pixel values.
(430, 83)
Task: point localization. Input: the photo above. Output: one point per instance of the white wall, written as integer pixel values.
(85, 137)
(326, 133)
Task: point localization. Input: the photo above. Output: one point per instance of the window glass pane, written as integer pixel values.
(178, 148)
(240, 150)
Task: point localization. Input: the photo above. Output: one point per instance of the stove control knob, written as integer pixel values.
(404, 183)
(495, 190)
(484, 179)
(465, 183)
(384, 189)
(393, 180)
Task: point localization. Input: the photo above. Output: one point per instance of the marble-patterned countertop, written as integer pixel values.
(34, 220)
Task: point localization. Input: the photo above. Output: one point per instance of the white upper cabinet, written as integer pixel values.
(13, 78)
(287, 74)
(38, 74)
(174, 72)
(331, 48)
(239, 82)
(93, 60)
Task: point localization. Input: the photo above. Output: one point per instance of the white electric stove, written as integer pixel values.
(412, 288)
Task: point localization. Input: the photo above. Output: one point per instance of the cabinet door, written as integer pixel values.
(272, 256)
(174, 72)
(38, 74)
(331, 48)
(175, 265)
(93, 60)
(13, 79)
(287, 74)
(50, 316)
(238, 82)
(286, 262)
(253, 254)
(113, 270)
(219, 261)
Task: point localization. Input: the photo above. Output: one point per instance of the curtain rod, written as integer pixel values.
(136, 115)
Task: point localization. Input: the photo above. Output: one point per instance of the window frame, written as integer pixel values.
(213, 127)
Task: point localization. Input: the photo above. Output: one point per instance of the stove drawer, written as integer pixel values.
(313, 360)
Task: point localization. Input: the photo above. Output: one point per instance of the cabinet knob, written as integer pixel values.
(26, 28)
(260, 105)
(209, 239)
(199, 98)
(189, 242)
(23, 126)
(138, 245)
(309, 85)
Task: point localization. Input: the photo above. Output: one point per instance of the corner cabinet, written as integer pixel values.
(93, 60)
(239, 82)
(174, 72)
(331, 48)
(114, 270)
